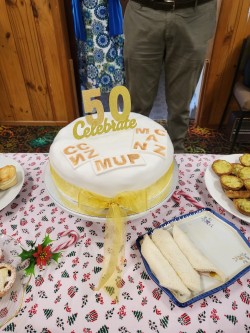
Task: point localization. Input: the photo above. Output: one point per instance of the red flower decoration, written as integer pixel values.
(43, 255)
(39, 255)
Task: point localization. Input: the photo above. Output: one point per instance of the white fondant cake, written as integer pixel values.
(108, 164)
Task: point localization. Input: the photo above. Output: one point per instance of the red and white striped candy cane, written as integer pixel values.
(74, 236)
(176, 198)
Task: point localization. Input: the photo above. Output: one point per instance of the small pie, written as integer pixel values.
(7, 278)
(244, 173)
(222, 167)
(243, 206)
(245, 159)
(230, 182)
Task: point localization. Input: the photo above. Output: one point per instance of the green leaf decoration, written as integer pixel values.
(30, 270)
(29, 254)
(56, 256)
(47, 240)
(26, 254)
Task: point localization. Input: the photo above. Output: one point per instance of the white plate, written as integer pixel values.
(213, 185)
(52, 190)
(8, 195)
(220, 241)
(12, 301)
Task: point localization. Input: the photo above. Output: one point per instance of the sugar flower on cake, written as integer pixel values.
(40, 255)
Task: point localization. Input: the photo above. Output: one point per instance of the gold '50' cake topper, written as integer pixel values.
(98, 124)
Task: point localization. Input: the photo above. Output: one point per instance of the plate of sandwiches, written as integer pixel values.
(11, 180)
(195, 255)
(228, 181)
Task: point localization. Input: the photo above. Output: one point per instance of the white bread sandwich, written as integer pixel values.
(170, 250)
(197, 259)
(162, 269)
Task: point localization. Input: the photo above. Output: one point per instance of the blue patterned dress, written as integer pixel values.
(100, 57)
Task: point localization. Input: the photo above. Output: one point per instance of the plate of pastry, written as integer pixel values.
(11, 180)
(13, 279)
(195, 255)
(227, 181)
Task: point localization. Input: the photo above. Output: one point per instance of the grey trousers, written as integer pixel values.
(178, 39)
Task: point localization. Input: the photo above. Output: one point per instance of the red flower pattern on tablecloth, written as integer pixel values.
(63, 296)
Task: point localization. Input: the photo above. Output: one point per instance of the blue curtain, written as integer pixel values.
(79, 27)
(115, 18)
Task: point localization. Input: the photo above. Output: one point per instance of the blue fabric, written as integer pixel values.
(115, 18)
(246, 79)
(79, 27)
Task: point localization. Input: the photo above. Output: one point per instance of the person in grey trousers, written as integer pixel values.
(174, 34)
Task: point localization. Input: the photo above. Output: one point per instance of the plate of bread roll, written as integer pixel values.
(228, 182)
(192, 256)
(11, 180)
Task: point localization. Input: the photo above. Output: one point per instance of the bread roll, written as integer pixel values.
(197, 259)
(170, 250)
(162, 270)
(8, 177)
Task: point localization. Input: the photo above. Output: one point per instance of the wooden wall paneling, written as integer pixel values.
(14, 93)
(51, 54)
(30, 58)
(227, 41)
(6, 112)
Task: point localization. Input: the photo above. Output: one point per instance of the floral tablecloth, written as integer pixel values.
(62, 297)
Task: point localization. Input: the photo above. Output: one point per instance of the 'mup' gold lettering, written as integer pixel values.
(103, 165)
(122, 162)
(133, 157)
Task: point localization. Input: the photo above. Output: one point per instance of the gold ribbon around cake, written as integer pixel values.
(117, 211)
